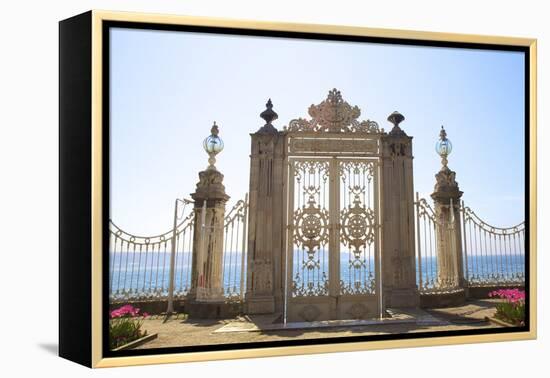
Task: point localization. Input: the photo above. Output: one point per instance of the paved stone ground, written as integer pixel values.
(178, 331)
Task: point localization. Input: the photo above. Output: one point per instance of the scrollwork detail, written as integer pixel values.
(334, 115)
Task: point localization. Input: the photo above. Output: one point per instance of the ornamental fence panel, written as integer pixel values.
(140, 269)
(491, 256)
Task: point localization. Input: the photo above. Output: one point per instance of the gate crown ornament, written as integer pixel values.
(334, 115)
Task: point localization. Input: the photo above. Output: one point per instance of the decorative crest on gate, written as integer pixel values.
(334, 115)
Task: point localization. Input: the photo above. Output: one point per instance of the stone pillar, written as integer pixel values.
(397, 205)
(446, 198)
(265, 283)
(206, 296)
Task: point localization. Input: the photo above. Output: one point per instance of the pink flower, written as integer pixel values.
(510, 295)
(125, 311)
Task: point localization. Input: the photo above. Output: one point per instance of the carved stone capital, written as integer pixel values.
(210, 187)
(446, 186)
(395, 146)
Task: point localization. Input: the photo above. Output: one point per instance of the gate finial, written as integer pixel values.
(396, 118)
(269, 116)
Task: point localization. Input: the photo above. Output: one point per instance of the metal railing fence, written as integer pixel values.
(491, 256)
(140, 269)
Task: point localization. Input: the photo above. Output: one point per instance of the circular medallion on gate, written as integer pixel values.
(311, 226)
(357, 226)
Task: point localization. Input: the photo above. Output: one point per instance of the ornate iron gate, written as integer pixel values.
(333, 217)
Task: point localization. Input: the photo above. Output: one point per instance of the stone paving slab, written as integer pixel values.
(188, 332)
(401, 316)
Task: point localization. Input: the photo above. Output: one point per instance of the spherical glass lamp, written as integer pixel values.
(213, 145)
(443, 147)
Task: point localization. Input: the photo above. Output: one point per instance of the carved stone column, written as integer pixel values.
(207, 272)
(264, 285)
(206, 295)
(398, 248)
(446, 198)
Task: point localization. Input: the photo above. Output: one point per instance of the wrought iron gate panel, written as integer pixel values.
(310, 227)
(358, 226)
(333, 237)
(332, 214)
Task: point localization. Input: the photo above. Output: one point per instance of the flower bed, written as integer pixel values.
(125, 326)
(512, 309)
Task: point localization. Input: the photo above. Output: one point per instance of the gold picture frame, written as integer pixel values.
(91, 267)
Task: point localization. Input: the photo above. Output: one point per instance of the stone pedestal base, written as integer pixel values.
(402, 298)
(210, 295)
(211, 310)
(260, 305)
(449, 299)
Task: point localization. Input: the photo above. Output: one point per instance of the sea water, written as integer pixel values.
(136, 274)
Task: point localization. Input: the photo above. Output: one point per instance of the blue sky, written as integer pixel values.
(167, 88)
